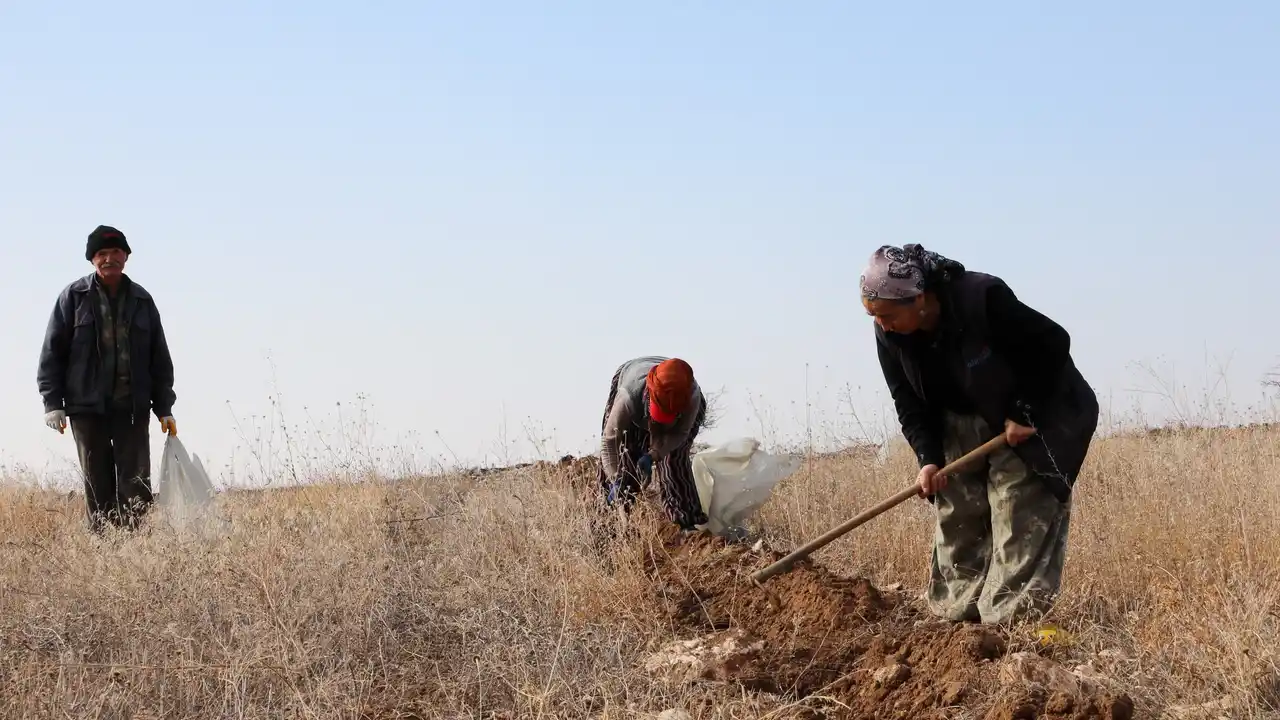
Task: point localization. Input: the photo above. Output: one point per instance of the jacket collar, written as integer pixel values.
(132, 289)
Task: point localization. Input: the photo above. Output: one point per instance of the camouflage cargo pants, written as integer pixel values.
(1000, 539)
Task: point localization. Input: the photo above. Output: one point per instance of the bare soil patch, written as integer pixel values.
(874, 654)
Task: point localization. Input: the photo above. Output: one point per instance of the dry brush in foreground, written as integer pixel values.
(482, 597)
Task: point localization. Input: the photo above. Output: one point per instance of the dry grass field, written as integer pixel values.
(460, 596)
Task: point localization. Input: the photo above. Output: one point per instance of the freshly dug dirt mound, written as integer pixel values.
(872, 651)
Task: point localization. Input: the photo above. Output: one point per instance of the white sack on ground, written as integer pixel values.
(735, 479)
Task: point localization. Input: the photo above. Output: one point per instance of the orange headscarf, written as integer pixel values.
(670, 386)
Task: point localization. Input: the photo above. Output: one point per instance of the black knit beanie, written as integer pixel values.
(103, 237)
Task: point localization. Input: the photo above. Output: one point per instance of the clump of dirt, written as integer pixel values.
(581, 469)
(874, 652)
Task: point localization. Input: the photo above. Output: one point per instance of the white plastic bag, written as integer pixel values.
(735, 479)
(184, 492)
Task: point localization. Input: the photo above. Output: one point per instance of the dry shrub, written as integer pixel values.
(462, 596)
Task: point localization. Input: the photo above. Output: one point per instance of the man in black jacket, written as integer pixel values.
(964, 359)
(105, 364)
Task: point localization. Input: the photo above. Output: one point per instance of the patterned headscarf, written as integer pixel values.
(903, 273)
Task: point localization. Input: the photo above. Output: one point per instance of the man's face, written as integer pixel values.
(110, 263)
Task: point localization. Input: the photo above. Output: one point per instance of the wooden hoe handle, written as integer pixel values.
(901, 496)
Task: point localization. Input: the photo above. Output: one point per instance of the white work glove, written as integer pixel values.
(169, 425)
(56, 420)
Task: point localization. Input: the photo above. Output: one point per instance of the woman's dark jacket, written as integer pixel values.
(993, 356)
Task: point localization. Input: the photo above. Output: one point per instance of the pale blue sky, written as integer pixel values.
(474, 211)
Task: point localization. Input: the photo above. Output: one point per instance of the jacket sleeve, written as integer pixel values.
(1035, 347)
(51, 372)
(620, 418)
(921, 424)
(162, 394)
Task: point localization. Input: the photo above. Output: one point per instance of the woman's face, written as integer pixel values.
(897, 316)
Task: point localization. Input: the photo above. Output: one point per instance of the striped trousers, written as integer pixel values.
(674, 473)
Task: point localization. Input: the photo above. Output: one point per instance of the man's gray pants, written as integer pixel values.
(115, 458)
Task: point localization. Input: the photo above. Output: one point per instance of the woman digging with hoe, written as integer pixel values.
(964, 359)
